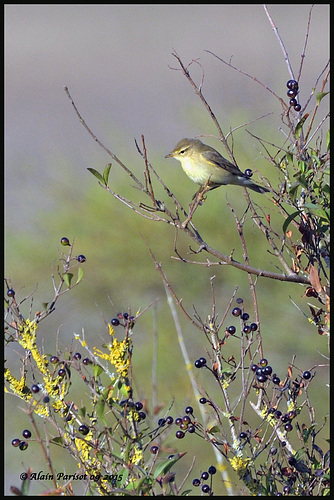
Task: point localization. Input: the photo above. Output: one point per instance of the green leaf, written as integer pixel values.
(97, 370)
(68, 278)
(97, 175)
(317, 210)
(288, 220)
(106, 173)
(100, 409)
(25, 487)
(289, 157)
(320, 95)
(213, 429)
(82, 412)
(165, 466)
(80, 274)
(328, 140)
(300, 124)
(124, 473)
(57, 440)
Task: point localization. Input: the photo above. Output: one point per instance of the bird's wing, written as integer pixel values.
(217, 159)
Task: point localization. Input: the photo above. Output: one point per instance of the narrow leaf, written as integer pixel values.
(80, 274)
(100, 406)
(106, 173)
(97, 175)
(320, 95)
(165, 466)
(300, 124)
(68, 278)
(97, 370)
(288, 220)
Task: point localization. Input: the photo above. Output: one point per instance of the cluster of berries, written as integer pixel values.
(292, 93)
(204, 477)
(186, 423)
(138, 406)
(18, 443)
(123, 319)
(245, 317)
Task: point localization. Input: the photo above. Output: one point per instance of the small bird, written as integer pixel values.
(202, 164)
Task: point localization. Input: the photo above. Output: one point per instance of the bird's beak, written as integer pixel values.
(170, 155)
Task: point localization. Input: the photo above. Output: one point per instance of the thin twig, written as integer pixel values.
(198, 90)
(280, 41)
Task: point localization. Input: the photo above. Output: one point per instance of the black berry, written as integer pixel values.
(26, 433)
(307, 375)
(199, 363)
(139, 405)
(267, 370)
(236, 311)
(81, 258)
(292, 84)
(83, 429)
(231, 330)
(65, 241)
(10, 292)
(292, 93)
(212, 470)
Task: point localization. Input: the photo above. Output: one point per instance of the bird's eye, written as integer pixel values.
(182, 151)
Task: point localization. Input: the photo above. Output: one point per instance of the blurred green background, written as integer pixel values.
(116, 61)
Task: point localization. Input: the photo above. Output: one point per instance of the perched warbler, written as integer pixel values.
(204, 164)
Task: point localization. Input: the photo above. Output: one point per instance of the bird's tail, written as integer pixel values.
(258, 189)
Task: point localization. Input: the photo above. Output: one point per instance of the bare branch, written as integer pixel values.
(280, 41)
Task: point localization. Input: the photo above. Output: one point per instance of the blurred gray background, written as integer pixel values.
(117, 62)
